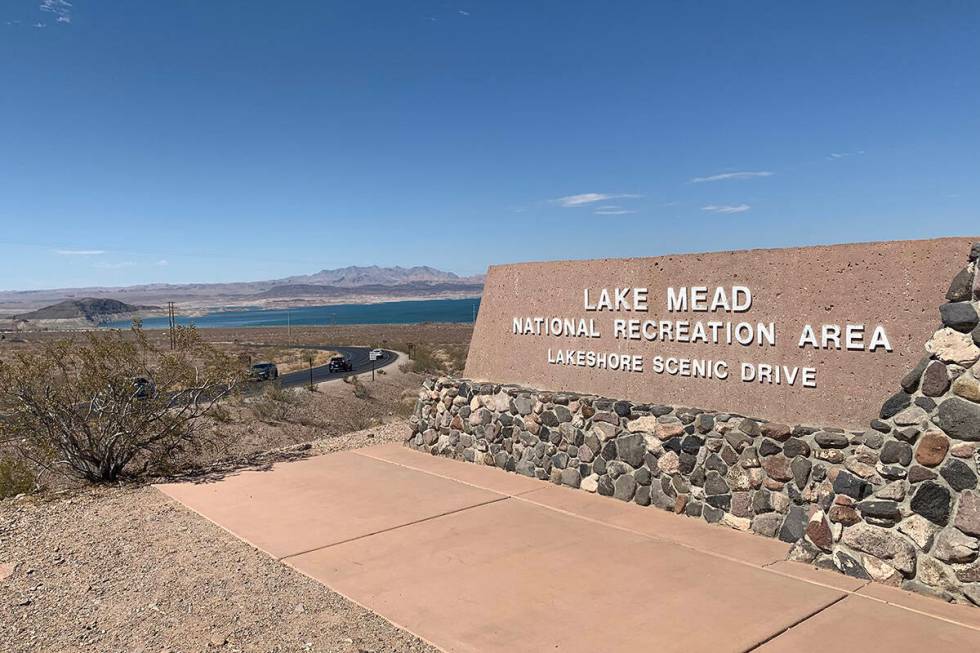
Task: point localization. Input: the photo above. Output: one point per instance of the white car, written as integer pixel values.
(376, 354)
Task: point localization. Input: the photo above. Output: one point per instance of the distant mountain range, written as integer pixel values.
(353, 284)
(355, 276)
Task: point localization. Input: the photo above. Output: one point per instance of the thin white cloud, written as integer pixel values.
(844, 155)
(39, 25)
(79, 252)
(463, 13)
(612, 209)
(745, 174)
(570, 201)
(726, 208)
(162, 263)
(60, 8)
(103, 265)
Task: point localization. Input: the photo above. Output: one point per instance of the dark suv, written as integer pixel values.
(340, 364)
(263, 372)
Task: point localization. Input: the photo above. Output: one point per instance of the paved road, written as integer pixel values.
(359, 356)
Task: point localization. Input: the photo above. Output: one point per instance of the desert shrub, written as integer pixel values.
(274, 404)
(16, 477)
(455, 358)
(221, 414)
(360, 390)
(405, 407)
(425, 361)
(112, 403)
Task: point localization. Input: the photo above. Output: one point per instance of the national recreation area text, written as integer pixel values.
(730, 303)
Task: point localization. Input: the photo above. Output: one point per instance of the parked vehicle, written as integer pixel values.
(263, 372)
(340, 363)
(144, 388)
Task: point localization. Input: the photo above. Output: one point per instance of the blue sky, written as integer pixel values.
(216, 141)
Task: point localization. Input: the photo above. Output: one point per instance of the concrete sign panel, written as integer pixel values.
(817, 335)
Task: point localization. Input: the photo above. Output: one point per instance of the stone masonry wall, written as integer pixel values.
(897, 503)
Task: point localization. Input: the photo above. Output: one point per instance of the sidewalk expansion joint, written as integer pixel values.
(797, 623)
(393, 528)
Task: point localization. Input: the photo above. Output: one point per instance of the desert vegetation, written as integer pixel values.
(109, 406)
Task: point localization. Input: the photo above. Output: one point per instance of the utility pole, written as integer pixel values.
(172, 325)
(289, 327)
(310, 359)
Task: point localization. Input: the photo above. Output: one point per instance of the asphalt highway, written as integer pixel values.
(359, 357)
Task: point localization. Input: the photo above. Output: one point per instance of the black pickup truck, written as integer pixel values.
(340, 364)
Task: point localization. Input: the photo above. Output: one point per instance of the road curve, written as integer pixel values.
(359, 356)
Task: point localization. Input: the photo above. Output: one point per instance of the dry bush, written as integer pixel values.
(111, 403)
(274, 404)
(406, 405)
(360, 390)
(16, 477)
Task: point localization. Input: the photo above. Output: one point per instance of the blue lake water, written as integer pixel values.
(406, 312)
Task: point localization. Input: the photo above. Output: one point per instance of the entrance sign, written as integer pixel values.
(815, 335)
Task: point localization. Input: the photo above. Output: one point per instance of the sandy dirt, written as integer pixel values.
(126, 569)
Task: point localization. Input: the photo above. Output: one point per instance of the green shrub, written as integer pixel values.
(15, 477)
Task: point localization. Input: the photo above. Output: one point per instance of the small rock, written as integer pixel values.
(892, 406)
(919, 529)
(960, 316)
(896, 452)
(959, 475)
(571, 477)
(850, 485)
(951, 545)
(910, 382)
(968, 514)
(961, 288)
(669, 463)
(881, 543)
(951, 346)
(932, 501)
(590, 483)
(959, 418)
(801, 471)
(918, 474)
(932, 448)
(880, 512)
(625, 487)
(880, 571)
(911, 416)
(778, 468)
(646, 423)
(849, 566)
(794, 526)
(858, 468)
(968, 387)
(935, 574)
(935, 381)
(767, 524)
(894, 491)
(818, 531)
(832, 439)
(776, 431)
(963, 450)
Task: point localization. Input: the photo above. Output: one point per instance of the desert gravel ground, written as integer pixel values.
(126, 569)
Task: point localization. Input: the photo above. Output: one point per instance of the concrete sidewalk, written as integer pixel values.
(472, 558)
